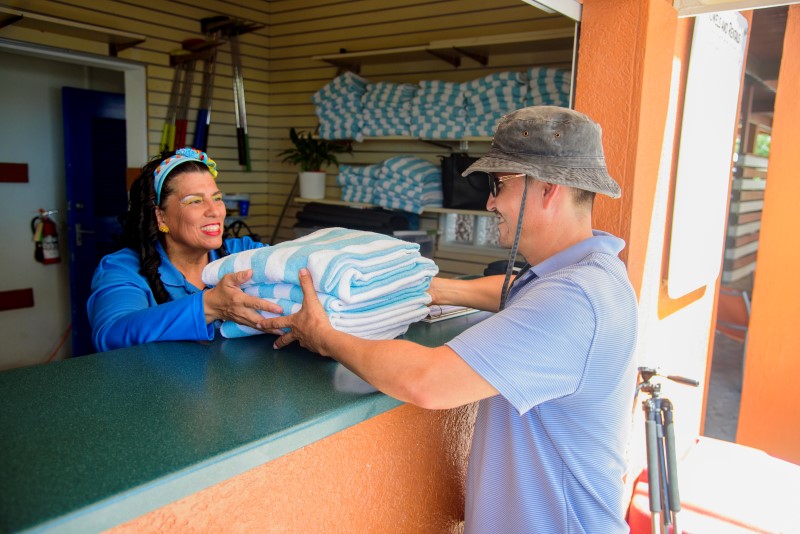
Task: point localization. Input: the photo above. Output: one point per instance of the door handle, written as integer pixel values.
(79, 234)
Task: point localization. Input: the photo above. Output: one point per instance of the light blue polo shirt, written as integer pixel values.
(548, 453)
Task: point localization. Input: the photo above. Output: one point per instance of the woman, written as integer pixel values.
(152, 289)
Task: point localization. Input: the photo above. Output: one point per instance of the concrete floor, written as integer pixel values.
(724, 389)
(725, 386)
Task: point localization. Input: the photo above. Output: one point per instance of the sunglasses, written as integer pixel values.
(495, 181)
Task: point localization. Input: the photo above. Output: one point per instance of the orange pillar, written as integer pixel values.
(770, 414)
(623, 82)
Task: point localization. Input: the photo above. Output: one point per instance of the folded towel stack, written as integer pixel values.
(409, 183)
(387, 109)
(371, 285)
(339, 109)
(548, 87)
(439, 110)
(491, 97)
(358, 181)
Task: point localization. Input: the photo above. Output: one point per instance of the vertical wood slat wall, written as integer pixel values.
(280, 75)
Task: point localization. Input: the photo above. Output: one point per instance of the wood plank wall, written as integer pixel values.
(281, 76)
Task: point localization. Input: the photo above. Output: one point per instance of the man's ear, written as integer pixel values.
(550, 192)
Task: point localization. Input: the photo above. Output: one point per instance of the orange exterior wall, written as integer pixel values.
(402, 471)
(770, 414)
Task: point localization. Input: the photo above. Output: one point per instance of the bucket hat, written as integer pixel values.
(552, 144)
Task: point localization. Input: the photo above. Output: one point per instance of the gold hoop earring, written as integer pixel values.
(163, 228)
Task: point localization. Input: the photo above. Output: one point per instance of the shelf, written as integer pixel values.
(364, 205)
(481, 138)
(463, 142)
(116, 40)
(453, 50)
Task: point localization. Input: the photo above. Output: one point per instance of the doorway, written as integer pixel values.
(95, 162)
(32, 134)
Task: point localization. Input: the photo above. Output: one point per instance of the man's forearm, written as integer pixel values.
(480, 293)
(433, 378)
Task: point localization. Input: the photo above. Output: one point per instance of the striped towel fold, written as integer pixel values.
(352, 264)
(370, 285)
(355, 193)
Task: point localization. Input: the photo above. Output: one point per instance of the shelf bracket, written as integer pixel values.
(436, 143)
(454, 60)
(483, 59)
(10, 20)
(116, 48)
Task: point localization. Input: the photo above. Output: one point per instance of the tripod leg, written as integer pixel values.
(654, 484)
(666, 518)
(672, 464)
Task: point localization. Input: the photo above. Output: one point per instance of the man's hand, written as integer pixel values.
(226, 301)
(310, 326)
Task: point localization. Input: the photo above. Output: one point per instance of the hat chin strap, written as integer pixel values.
(512, 256)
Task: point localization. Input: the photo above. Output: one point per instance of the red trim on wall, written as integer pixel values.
(16, 299)
(14, 172)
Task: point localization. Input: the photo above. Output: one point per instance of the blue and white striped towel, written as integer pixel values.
(292, 294)
(356, 193)
(354, 265)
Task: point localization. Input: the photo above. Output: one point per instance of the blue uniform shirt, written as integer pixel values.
(548, 452)
(123, 311)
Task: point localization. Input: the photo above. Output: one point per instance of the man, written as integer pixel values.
(553, 370)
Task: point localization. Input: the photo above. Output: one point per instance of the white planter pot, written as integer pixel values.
(312, 184)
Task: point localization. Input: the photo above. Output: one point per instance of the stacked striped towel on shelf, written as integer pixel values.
(439, 110)
(358, 181)
(548, 87)
(350, 107)
(491, 97)
(371, 285)
(387, 109)
(338, 107)
(409, 183)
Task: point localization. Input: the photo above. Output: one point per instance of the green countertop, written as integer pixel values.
(91, 442)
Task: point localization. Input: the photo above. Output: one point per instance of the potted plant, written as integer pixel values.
(311, 155)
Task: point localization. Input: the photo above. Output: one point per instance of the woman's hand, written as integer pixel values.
(310, 326)
(227, 301)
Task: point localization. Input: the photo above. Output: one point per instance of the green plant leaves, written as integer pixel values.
(312, 154)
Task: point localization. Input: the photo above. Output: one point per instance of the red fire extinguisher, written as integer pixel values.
(45, 237)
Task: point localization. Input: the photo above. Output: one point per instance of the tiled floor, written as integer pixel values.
(724, 389)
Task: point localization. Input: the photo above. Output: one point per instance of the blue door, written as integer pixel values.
(96, 159)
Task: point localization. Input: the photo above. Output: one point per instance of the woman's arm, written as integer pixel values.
(126, 314)
(123, 311)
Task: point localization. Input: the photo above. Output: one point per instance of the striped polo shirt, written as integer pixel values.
(548, 452)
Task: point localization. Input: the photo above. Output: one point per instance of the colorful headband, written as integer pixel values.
(182, 155)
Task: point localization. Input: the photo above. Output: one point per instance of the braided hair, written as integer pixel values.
(140, 227)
